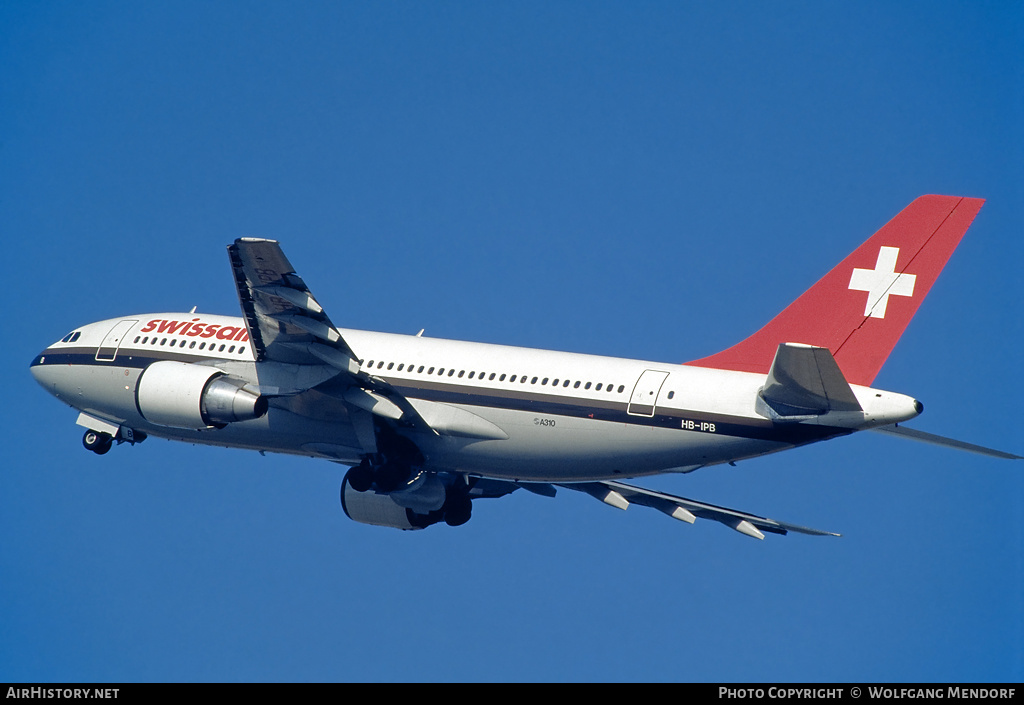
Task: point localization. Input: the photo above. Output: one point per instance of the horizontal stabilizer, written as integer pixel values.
(916, 435)
(806, 380)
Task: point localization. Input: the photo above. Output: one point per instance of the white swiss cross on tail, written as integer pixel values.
(830, 315)
(882, 282)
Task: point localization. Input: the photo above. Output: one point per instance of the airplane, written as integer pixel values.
(427, 425)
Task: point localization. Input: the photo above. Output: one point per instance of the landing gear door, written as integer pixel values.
(107, 350)
(645, 393)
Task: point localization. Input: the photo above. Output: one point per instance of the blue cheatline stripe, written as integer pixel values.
(525, 401)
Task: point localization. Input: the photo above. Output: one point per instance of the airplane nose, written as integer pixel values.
(36, 367)
(46, 374)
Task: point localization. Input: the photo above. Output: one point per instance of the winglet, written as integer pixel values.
(860, 309)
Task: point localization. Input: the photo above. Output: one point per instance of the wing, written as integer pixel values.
(286, 325)
(622, 496)
(285, 322)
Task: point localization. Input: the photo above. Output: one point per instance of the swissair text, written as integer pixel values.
(195, 328)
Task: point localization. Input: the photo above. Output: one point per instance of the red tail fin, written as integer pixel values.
(861, 308)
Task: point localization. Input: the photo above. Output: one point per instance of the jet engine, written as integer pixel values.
(183, 395)
(378, 509)
(427, 501)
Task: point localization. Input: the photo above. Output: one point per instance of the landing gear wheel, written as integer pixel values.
(458, 510)
(97, 441)
(422, 521)
(390, 476)
(360, 477)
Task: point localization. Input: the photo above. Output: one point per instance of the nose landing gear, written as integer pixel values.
(97, 441)
(100, 442)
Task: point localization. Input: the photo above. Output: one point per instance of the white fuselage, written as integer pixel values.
(514, 413)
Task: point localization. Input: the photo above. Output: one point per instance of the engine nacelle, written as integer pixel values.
(378, 509)
(182, 395)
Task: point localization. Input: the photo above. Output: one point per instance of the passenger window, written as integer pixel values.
(598, 387)
(575, 386)
(620, 389)
(671, 395)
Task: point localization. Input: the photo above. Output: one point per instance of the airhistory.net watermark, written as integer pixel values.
(62, 693)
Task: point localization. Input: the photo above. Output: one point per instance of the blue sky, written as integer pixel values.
(646, 180)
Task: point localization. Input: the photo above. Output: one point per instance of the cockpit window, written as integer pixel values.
(71, 337)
